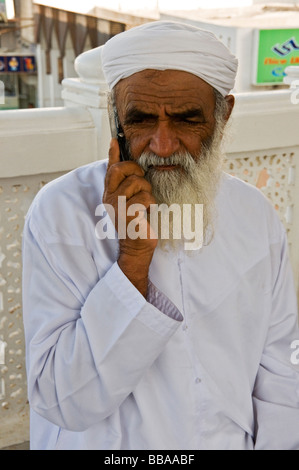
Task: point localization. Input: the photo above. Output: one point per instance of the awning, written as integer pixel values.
(51, 21)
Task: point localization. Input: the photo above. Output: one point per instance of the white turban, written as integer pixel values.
(163, 45)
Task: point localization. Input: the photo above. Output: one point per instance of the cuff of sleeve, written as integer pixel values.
(156, 312)
(162, 303)
(132, 300)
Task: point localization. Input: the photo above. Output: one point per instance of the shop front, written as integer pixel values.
(18, 77)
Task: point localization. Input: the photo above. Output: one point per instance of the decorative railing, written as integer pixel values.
(38, 145)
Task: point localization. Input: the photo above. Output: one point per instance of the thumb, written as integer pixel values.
(114, 154)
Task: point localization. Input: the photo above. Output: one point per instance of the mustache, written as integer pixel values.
(148, 160)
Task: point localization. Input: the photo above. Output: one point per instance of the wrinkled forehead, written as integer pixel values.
(167, 86)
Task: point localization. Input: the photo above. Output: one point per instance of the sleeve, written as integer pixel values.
(276, 392)
(85, 352)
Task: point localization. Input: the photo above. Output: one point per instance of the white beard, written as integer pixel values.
(195, 182)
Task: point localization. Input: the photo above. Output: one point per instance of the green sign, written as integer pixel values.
(2, 7)
(276, 50)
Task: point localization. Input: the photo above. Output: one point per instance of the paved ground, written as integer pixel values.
(23, 446)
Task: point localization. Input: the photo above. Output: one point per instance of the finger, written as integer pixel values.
(114, 153)
(133, 185)
(144, 198)
(118, 172)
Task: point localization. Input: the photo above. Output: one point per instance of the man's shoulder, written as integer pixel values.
(68, 201)
(248, 205)
(235, 185)
(241, 193)
(76, 186)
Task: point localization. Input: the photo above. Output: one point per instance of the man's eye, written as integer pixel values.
(192, 121)
(139, 121)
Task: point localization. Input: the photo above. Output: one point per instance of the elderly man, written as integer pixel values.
(135, 342)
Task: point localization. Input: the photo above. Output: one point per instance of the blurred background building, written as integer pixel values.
(18, 69)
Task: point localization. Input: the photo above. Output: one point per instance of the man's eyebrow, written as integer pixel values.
(136, 115)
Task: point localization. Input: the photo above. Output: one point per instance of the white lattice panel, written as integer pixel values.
(274, 174)
(16, 195)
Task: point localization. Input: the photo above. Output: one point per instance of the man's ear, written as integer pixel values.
(230, 99)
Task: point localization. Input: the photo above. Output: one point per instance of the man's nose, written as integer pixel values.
(164, 141)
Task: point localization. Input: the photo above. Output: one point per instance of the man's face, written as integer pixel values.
(165, 112)
(174, 134)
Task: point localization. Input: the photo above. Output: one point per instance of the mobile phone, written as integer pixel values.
(117, 131)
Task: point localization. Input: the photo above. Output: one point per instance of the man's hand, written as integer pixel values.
(127, 179)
